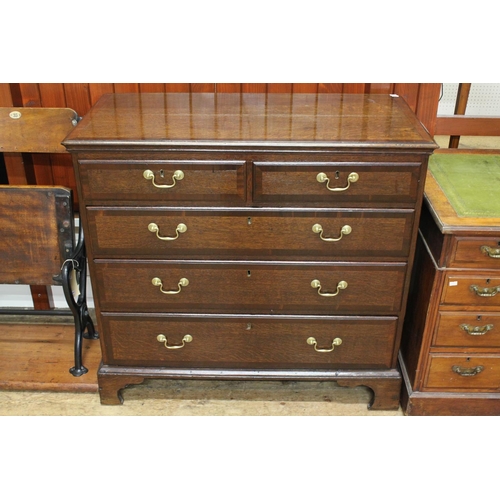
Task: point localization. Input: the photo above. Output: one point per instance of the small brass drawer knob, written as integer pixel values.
(476, 330)
(150, 176)
(494, 253)
(182, 282)
(312, 341)
(181, 228)
(318, 229)
(341, 285)
(467, 372)
(351, 178)
(185, 339)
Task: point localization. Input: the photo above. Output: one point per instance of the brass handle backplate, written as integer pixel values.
(182, 282)
(494, 253)
(318, 229)
(467, 372)
(476, 330)
(181, 228)
(185, 339)
(312, 341)
(485, 292)
(351, 178)
(341, 285)
(150, 176)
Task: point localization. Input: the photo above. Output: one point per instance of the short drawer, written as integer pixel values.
(455, 329)
(213, 233)
(141, 181)
(465, 373)
(472, 290)
(342, 183)
(476, 252)
(251, 341)
(249, 287)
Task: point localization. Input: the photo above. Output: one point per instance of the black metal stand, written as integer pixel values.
(77, 302)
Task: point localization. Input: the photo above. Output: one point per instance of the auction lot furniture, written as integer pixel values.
(450, 353)
(250, 236)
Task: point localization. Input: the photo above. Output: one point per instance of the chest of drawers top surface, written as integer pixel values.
(250, 120)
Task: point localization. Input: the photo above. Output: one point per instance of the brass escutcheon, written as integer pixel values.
(351, 178)
(312, 341)
(150, 176)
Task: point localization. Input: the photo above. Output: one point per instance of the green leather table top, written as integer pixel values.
(471, 182)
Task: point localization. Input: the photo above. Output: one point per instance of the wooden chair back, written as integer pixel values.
(35, 130)
(36, 233)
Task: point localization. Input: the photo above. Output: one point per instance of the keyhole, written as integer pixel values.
(337, 175)
(162, 173)
(249, 273)
(488, 281)
(249, 326)
(467, 359)
(479, 318)
(249, 220)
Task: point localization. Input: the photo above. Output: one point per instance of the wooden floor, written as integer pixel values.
(38, 356)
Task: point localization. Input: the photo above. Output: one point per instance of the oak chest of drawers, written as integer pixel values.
(250, 235)
(450, 352)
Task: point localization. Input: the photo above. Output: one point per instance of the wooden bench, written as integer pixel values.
(37, 223)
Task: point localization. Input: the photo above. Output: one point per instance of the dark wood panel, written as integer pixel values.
(249, 341)
(96, 90)
(241, 287)
(246, 234)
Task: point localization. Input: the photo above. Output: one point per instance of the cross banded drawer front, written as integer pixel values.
(250, 342)
(342, 183)
(240, 287)
(167, 181)
(214, 233)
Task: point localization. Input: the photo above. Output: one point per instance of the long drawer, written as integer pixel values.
(459, 329)
(464, 372)
(363, 183)
(270, 288)
(213, 233)
(250, 341)
(167, 181)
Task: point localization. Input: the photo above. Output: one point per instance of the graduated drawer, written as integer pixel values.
(276, 288)
(471, 252)
(457, 329)
(361, 183)
(480, 372)
(252, 341)
(125, 181)
(213, 233)
(481, 290)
